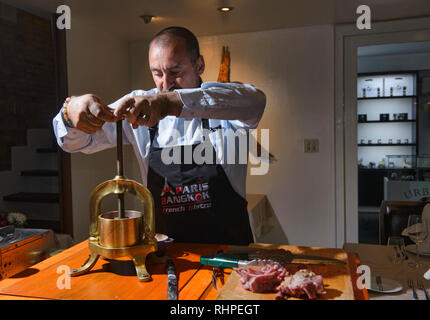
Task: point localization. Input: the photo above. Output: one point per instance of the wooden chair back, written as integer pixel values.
(393, 218)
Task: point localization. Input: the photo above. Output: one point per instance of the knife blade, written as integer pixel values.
(222, 262)
(172, 280)
(280, 255)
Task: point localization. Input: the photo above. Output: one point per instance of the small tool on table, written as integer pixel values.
(217, 272)
(172, 280)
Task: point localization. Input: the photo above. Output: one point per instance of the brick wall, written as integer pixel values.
(27, 80)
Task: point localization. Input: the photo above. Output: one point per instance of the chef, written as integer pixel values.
(194, 201)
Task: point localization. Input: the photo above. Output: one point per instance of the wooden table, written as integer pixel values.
(110, 280)
(377, 258)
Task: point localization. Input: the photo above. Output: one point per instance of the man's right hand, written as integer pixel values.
(88, 113)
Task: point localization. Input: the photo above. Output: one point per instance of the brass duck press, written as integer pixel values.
(121, 233)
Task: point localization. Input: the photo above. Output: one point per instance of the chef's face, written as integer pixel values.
(172, 67)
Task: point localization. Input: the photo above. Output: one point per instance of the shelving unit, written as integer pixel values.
(387, 144)
(389, 121)
(389, 97)
(401, 99)
(390, 94)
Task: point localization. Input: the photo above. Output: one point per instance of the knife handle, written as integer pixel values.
(218, 262)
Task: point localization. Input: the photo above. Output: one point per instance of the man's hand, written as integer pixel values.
(88, 113)
(147, 110)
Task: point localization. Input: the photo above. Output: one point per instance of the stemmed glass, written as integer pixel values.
(417, 232)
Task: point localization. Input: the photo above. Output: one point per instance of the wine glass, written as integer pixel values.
(417, 232)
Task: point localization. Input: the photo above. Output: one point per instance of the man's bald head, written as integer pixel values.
(171, 35)
(175, 60)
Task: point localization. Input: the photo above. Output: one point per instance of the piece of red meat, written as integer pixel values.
(303, 284)
(264, 279)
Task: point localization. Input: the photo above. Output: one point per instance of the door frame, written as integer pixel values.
(64, 162)
(347, 40)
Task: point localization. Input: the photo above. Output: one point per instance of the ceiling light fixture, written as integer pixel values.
(147, 18)
(225, 9)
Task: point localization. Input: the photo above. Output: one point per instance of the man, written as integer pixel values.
(194, 202)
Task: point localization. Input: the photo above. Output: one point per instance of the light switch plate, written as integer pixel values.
(311, 145)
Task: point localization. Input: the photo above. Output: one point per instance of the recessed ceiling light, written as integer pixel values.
(147, 18)
(225, 9)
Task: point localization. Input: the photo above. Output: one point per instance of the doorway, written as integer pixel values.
(348, 40)
(392, 129)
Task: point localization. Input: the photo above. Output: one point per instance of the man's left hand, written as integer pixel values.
(147, 110)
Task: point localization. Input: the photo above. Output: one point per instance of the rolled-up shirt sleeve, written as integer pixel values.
(69, 139)
(242, 103)
(73, 140)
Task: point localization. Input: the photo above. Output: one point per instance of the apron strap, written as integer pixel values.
(205, 124)
(152, 131)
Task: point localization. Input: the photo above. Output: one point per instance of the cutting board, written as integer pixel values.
(336, 277)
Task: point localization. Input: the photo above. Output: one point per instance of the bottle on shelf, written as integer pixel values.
(382, 164)
(364, 92)
(391, 91)
(379, 92)
(404, 90)
(406, 165)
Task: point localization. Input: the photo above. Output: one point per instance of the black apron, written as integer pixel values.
(196, 202)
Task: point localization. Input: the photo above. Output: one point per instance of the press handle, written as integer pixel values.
(120, 167)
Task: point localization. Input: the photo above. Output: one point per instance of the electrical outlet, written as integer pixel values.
(311, 145)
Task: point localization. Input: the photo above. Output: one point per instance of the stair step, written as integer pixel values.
(46, 150)
(40, 173)
(26, 158)
(32, 197)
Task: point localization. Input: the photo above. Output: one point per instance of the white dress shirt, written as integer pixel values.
(228, 106)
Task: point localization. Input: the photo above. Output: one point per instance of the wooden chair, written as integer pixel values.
(393, 218)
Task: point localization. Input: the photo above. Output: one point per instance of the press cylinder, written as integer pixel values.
(117, 232)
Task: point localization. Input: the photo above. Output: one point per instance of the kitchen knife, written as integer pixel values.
(226, 262)
(233, 260)
(172, 280)
(281, 255)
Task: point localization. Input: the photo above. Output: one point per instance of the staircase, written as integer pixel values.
(31, 187)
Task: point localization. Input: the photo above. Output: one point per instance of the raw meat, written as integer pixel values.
(303, 284)
(264, 279)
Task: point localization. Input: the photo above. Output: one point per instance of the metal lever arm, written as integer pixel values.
(120, 167)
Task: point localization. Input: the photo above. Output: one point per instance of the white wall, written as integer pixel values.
(99, 64)
(294, 67)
